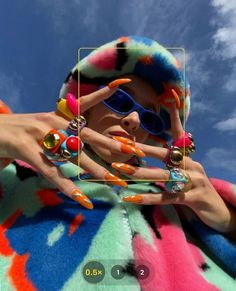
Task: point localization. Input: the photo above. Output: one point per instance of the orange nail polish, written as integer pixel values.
(82, 199)
(118, 82)
(139, 153)
(124, 167)
(115, 180)
(127, 149)
(124, 140)
(134, 198)
(4, 109)
(176, 96)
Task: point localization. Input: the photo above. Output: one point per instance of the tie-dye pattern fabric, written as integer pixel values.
(46, 238)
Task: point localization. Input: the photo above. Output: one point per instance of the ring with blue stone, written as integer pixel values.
(178, 181)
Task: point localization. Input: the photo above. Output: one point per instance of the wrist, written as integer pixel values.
(215, 212)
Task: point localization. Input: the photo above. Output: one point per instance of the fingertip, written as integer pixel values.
(81, 198)
(176, 96)
(118, 82)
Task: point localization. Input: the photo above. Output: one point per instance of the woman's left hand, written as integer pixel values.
(202, 198)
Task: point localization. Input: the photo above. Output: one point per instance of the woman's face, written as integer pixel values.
(104, 121)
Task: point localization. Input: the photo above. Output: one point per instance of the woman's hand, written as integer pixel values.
(20, 136)
(202, 198)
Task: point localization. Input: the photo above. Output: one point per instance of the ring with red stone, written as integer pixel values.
(185, 144)
(71, 147)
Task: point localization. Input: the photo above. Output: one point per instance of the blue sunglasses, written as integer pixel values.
(122, 103)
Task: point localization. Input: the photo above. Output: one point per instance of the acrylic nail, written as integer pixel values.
(176, 96)
(115, 180)
(127, 149)
(128, 169)
(138, 198)
(63, 108)
(118, 82)
(4, 109)
(124, 140)
(72, 103)
(78, 196)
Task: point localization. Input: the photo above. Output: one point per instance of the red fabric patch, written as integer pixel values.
(146, 60)
(5, 248)
(49, 197)
(18, 274)
(76, 223)
(105, 59)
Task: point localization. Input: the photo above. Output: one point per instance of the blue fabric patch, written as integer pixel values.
(141, 39)
(218, 244)
(49, 267)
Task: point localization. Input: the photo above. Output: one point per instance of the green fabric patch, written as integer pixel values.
(5, 264)
(55, 234)
(217, 276)
(110, 246)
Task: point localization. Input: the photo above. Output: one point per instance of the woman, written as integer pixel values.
(47, 239)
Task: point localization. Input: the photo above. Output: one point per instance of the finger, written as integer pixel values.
(35, 157)
(176, 125)
(99, 172)
(161, 198)
(90, 100)
(142, 173)
(161, 153)
(91, 137)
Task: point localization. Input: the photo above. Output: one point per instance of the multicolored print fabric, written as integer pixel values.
(46, 238)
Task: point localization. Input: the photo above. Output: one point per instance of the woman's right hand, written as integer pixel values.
(20, 136)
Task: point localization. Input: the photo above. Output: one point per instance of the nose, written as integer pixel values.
(131, 122)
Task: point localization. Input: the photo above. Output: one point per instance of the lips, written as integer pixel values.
(121, 133)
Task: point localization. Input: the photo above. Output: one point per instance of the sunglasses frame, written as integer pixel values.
(136, 107)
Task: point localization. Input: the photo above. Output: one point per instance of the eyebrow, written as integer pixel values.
(132, 93)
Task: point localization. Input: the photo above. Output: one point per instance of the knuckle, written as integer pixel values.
(166, 174)
(200, 180)
(199, 167)
(45, 117)
(50, 173)
(86, 134)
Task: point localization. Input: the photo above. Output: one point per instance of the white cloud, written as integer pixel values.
(68, 14)
(10, 91)
(225, 36)
(230, 83)
(219, 158)
(228, 124)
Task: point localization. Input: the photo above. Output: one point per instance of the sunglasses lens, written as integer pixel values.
(119, 101)
(152, 122)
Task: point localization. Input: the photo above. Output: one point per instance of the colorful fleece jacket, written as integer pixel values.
(46, 239)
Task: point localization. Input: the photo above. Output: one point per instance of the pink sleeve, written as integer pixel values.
(226, 190)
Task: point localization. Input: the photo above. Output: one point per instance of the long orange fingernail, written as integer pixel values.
(124, 167)
(4, 109)
(133, 198)
(115, 180)
(176, 96)
(118, 82)
(127, 149)
(124, 140)
(78, 196)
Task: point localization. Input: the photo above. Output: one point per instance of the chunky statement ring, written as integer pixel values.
(185, 143)
(174, 157)
(76, 124)
(59, 146)
(178, 181)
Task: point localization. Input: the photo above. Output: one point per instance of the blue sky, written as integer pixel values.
(40, 40)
